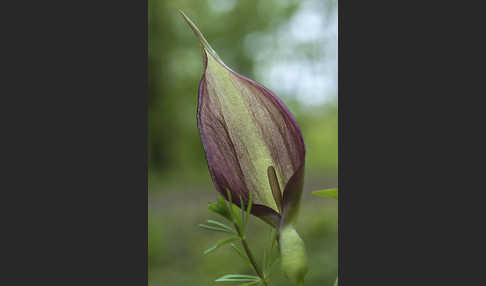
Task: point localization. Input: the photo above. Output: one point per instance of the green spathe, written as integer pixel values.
(249, 138)
(242, 128)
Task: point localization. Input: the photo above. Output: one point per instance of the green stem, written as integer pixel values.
(250, 256)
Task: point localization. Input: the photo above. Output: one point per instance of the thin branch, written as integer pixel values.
(250, 256)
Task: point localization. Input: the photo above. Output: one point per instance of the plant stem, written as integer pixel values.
(250, 256)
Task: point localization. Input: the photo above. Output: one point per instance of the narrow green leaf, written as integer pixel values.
(331, 193)
(233, 209)
(336, 282)
(220, 224)
(229, 205)
(235, 280)
(230, 276)
(220, 243)
(238, 278)
(237, 216)
(215, 228)
(220, 208)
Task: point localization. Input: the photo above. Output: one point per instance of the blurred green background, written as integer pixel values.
(291, 48)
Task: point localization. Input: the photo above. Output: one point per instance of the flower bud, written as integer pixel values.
(294, 257)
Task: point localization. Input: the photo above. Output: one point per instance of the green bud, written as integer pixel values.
(294, 257)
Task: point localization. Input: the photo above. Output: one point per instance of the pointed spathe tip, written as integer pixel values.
(202, 40)
(184, 15)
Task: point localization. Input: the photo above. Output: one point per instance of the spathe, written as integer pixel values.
(251, 140)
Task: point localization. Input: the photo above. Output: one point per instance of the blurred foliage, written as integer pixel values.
(176, 244)
(179, 182)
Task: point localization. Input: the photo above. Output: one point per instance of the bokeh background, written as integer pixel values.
(290, 47)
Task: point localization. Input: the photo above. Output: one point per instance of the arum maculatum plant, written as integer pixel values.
(256, 156)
